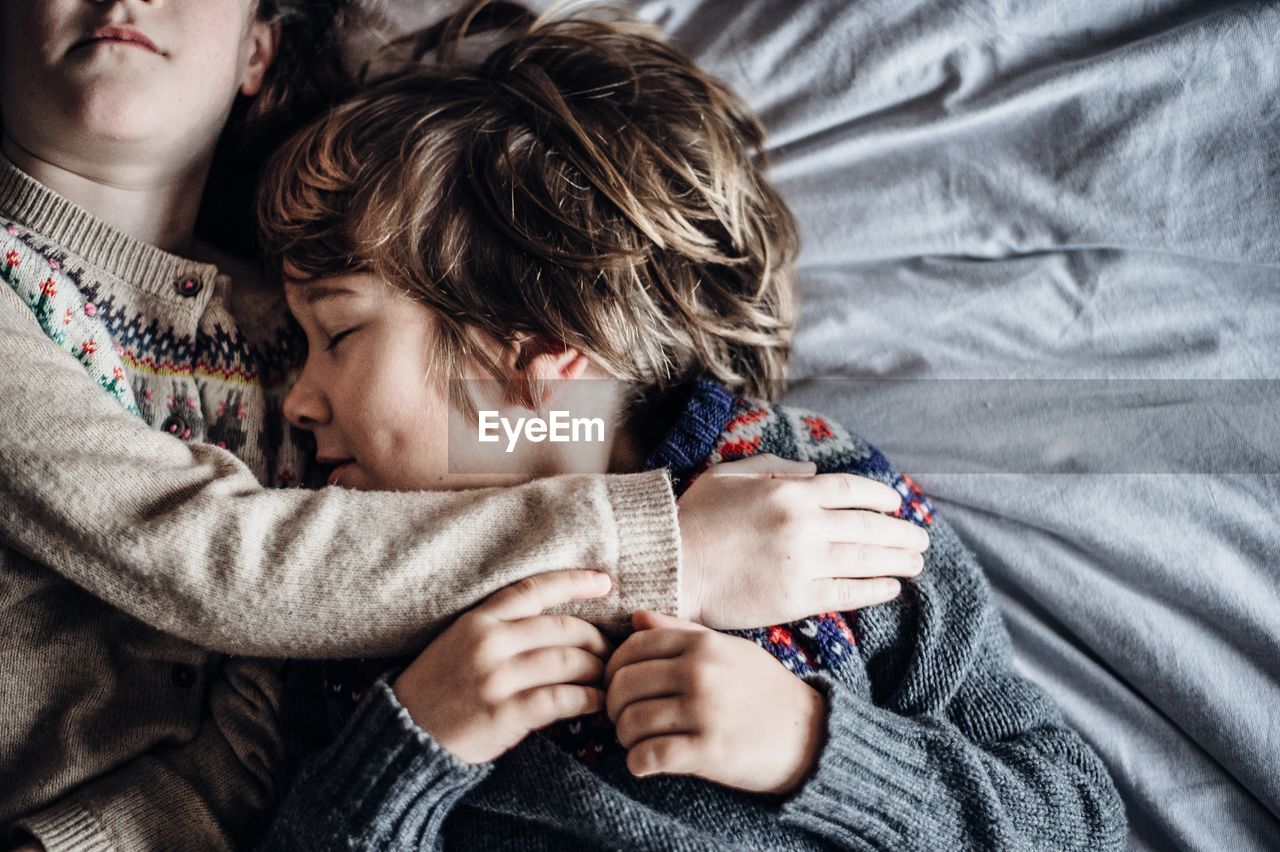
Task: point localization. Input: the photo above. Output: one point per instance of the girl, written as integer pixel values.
(136, 527)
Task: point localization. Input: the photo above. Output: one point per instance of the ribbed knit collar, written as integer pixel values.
(77, 231)
(694, 435)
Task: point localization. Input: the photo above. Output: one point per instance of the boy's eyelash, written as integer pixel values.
(333, 341)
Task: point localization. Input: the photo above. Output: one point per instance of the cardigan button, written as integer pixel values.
(189, 286)
(182, 675)
(176, 426)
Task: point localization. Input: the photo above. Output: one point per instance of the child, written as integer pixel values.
(135, 531)
(581, 204)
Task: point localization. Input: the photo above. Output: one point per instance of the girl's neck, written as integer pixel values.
(156, 204)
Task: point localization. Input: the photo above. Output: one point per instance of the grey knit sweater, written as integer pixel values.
(932, 741)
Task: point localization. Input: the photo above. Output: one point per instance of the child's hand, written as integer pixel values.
(765, 541)
(689, 701)
(503, 669)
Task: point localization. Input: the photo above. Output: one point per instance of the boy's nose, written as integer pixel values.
(304, 407)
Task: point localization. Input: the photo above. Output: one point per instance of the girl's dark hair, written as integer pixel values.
(306, 78)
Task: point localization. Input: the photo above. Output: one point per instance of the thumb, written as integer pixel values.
(647, 619)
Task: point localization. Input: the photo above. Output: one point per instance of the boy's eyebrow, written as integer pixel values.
(315, 292)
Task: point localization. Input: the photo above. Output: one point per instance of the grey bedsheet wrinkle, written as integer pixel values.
(1043, 190)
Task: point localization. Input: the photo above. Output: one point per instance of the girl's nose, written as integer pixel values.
(306, 407)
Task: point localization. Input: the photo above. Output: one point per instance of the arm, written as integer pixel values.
(413, 750)
(88, 490)
(384, 783)
(184, 538)
(954, 750)
(199, 795)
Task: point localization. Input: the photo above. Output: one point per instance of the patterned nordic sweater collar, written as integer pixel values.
(694, 435)
(716, 426)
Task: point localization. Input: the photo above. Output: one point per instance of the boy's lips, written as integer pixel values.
(120, 35)
(337, 468)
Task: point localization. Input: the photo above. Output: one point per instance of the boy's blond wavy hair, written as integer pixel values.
(583, 182)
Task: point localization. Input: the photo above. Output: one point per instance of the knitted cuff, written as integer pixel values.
(385, 783)
(649, 573)
(66, 827)
(871, 784)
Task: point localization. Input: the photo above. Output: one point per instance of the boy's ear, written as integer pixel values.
(536, 365)
(264, 42)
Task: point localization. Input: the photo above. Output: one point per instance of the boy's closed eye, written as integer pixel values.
(335, 339)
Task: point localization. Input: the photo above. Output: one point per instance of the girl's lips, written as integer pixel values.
(120, 35)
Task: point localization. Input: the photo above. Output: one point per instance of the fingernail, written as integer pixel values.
(603, 582)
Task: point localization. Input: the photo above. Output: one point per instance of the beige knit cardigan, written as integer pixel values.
(129, 556)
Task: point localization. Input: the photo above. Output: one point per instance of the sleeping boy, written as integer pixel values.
(580, 219)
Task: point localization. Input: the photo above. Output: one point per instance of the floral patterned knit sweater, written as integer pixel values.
(140, 545)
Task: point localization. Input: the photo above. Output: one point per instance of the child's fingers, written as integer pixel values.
(532, 595)
(765, 464)
(674, 754)
(653, 717)
(840, 595)
(865, 527)
(853, 561)
(647, 679)
(850, 491)
(646, 645)
(543, 705)
(546, 631)
(547, 667)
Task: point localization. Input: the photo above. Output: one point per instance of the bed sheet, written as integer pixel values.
(1041, 269)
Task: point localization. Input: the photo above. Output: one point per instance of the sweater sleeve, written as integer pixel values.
(202, 794)
(183, 537)
(953, 749)
(384, 783)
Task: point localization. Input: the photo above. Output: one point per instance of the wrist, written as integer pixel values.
(438, 730)
(687, 590)
(689, 577)
(406, 696)
(812, 722)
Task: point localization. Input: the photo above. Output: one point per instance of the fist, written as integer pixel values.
(504, 669)
(689, 701)
(766, 541)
